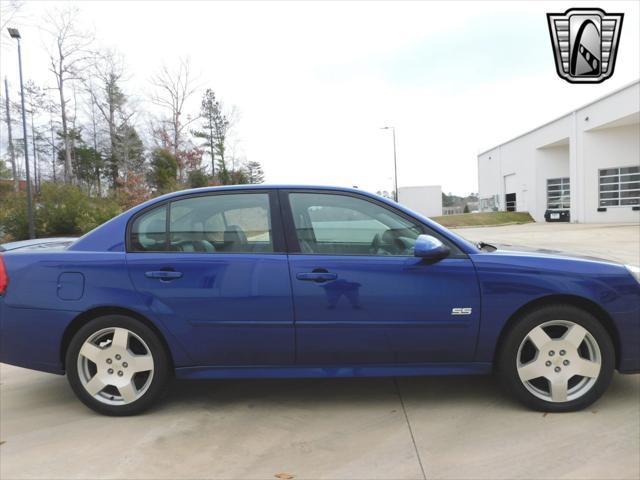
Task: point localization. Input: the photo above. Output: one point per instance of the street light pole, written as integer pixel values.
(12, 153)
(14, 33)
(395, 163)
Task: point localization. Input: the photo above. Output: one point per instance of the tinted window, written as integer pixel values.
(345, 225)
(229, 223)
(148, 232)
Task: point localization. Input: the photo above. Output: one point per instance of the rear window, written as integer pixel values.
(149, 231)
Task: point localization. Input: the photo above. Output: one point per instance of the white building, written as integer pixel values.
(585, 164)
(426, 200)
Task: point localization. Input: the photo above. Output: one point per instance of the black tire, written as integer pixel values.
(508, 357)
(161, 365)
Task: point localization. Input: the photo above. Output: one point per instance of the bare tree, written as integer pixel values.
(35, 100)
(67, 52)
(9, 10)
(54, 150)
(51, 107)
(174, 87)
(93, 116)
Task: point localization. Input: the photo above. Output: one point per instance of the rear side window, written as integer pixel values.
(229, 223)
(149, 231)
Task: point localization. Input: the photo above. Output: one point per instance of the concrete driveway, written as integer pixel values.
(620, 243)
(409, 428)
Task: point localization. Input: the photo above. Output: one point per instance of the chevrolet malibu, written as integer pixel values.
(271, 281)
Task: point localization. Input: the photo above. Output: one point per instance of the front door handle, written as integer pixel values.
(318, 277)
(164, 275)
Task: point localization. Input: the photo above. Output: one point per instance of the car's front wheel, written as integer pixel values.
(557, 359)
(116, 365)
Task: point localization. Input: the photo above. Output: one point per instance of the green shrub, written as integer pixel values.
(13, 217)
(197, 179)
(164, 169)
(60, 210)
(102, 210)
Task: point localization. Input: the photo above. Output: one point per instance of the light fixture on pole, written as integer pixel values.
(395, 163)
(14, 33)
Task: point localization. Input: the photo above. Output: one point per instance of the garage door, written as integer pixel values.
(510, 192)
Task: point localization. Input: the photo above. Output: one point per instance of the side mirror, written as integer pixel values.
(430, 248)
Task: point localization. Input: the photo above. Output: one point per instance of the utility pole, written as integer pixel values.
(15, 34)
(395, 164)
(36, 177)
(12, 153)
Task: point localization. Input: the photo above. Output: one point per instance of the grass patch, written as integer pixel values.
(484, 219)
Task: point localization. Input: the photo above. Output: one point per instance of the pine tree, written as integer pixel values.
(254, 172)
(213, 131)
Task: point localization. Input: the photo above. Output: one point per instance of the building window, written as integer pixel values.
(558, 194)
(620, 186)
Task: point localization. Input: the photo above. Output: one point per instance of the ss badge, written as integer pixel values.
(461, 311)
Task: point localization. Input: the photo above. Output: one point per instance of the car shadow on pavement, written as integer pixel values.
(48, 390)
(427, 391)
(334, 392)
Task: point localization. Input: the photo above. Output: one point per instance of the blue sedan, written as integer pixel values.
(297, 281)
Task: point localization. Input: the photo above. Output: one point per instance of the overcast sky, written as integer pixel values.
(315, 81)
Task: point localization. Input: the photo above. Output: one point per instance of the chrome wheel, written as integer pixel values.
(115, 366)
(559, 361)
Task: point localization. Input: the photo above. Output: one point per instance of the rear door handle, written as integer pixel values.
(165, 275)
(316, 276)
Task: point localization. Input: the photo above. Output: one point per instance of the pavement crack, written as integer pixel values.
(406, 417)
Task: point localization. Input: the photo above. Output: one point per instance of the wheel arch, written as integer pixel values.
(82, 319)
(574, 300)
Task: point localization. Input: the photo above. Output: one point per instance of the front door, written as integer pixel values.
(360, 295)
(213, 270)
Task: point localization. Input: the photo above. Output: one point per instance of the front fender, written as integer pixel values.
(509, 282)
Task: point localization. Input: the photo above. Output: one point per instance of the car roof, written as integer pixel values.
(261, 186)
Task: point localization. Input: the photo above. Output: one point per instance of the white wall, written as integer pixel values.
(521, 158)
(603, 134)
(426, 200)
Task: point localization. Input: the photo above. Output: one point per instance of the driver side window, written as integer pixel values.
(334, 224)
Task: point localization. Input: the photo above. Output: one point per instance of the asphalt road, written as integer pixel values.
(409, 428)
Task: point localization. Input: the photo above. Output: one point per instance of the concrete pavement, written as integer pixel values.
(617, 242)
(409, 428)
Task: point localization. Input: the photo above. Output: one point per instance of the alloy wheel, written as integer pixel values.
(115, 366)
(559, 361)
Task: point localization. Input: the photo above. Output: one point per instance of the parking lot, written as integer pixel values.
(363, 428)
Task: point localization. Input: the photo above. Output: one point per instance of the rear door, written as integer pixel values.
(360, 295)
(213, 268)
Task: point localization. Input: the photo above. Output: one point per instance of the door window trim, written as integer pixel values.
(275, 214)
(291, 236)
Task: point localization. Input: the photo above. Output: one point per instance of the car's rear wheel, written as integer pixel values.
(557, 359)
(117, 365)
